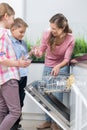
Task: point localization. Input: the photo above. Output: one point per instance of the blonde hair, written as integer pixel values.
(6, 8)
(18, 23)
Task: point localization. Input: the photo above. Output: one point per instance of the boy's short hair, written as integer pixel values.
(18, 22)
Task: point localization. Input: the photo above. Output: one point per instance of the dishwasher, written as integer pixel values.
(41, 92)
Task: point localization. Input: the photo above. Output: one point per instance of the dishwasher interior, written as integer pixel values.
(41, 92)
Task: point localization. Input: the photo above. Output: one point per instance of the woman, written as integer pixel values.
(57, 44)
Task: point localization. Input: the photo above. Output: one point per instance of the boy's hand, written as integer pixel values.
(23, 63)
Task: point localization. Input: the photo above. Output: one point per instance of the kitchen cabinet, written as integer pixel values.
(78, 98)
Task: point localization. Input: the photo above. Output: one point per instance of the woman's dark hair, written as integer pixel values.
(62, 23)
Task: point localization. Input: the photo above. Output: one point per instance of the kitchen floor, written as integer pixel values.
(31, 124)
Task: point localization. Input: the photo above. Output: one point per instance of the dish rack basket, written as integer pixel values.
(50, 84)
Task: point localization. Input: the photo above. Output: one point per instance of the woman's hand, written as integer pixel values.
(73, 61)
(36, 51)
(55, 70)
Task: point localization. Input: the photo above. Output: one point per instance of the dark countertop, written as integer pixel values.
(82, 64)
(81, 61)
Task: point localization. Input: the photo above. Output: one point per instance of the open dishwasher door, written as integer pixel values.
(44, 98)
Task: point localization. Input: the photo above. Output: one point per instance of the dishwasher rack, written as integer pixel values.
(50, 84)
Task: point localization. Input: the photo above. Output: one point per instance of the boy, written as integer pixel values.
(18, 30)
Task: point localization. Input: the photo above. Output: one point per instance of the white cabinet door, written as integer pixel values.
(35, 73)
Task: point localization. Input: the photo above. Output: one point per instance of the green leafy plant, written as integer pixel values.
(80, 47)
(29, 44)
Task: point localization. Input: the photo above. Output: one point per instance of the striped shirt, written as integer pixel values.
(61, 52)
(6, 52)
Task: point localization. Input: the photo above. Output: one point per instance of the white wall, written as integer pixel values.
(39, 12)
(17, 5)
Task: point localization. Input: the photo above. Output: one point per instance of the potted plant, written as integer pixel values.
(80, 48)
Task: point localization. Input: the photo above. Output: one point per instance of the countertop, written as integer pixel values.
(81, 61)
(81, 64)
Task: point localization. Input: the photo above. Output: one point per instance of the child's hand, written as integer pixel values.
(23, 63)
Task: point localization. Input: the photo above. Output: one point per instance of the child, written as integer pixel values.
(10, 109)
(18, 29)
